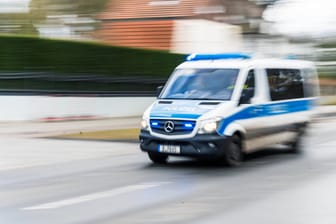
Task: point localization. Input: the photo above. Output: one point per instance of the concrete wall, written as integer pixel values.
(48, 108)
(21, 108)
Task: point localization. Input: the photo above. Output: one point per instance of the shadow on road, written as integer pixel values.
(265, 157)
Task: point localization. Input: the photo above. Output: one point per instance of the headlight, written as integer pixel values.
(209, 126)
(144, 124)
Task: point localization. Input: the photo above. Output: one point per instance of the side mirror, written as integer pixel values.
(158, 90)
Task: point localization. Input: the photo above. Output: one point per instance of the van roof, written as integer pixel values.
(240, 63)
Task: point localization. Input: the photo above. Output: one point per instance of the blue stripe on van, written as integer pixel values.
(264, 110)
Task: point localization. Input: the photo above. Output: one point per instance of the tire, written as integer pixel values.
(233, 153)
(296, 146)
(157, 158)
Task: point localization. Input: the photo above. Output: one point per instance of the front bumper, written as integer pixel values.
(200, 146)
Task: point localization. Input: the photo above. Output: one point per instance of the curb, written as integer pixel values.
(325, 115)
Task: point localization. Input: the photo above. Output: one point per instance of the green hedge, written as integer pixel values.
(48, 65)
(71, 57)
(327, 56)
(330, 44)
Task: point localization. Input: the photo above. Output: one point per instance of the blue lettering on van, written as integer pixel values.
(187, 110)
(182, 116)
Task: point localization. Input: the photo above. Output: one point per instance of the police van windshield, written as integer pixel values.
(201, 84)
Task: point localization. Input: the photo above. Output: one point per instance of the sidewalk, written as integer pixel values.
(325, 111)
(45, 129)
(327, 108)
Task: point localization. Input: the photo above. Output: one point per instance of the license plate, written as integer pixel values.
(175, 149)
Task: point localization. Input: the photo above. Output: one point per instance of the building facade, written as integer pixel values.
(158, 24)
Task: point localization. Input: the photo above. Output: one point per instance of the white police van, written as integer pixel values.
(226, 105)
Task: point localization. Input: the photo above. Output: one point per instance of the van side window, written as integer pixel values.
(248, 89)
(285, 84)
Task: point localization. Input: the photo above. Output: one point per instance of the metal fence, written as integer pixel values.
(45, 83)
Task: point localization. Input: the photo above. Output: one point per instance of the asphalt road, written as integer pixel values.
(56, 181)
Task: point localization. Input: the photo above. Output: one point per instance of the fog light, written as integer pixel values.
(211, 145)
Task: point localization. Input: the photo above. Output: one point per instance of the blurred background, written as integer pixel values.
(130, 47)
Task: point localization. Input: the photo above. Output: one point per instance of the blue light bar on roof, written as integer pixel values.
(291, 57)
(197, 57)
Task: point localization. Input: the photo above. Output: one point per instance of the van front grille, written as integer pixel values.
(172, 127)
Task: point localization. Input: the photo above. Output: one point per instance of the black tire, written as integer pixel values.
(296, 146)
(233, 153)
(158, 158)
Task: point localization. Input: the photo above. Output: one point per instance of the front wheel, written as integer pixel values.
(157, 158)
(233, 153)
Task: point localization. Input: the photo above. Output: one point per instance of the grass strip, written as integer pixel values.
(120, 134)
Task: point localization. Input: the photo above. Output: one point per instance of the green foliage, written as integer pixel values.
(327, 55)
(17, 24)
(78, 7)
(330, 44)
(39, 10)
(35, 54)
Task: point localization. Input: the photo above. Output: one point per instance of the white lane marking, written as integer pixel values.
(95, 196)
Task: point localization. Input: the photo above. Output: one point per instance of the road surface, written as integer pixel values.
(81, 182)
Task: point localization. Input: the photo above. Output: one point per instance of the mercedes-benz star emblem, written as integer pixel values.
(169, 126)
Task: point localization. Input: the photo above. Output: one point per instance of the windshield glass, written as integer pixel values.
(201, 84)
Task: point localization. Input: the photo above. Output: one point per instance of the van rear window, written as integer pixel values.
(285, 84)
